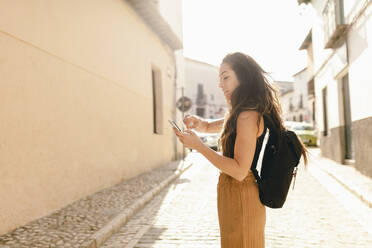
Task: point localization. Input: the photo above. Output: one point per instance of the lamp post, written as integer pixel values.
(183, 104)
(183, 116)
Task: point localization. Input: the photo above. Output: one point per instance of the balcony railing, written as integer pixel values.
(334, 26)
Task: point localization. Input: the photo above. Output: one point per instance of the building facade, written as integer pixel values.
(201, 86)
(85, 93)
(286, 102)
(303, 106)
(286, 98)
(339, 45)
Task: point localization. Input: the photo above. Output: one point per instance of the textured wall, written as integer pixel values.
(76, 103)
(332, 145)
(362, 138)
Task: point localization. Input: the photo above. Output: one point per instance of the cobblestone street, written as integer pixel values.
(111, 112)
(184, 214)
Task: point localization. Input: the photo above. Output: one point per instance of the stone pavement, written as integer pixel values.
(184, 214)
(74, 224)
(357, 183)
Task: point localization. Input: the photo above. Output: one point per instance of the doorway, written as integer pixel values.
(345, 96)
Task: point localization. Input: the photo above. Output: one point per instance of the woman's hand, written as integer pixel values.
(189, 139)
(194, 122)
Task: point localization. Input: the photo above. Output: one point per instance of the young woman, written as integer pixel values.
(249, 95)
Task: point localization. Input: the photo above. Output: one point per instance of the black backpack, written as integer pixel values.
(279, 164)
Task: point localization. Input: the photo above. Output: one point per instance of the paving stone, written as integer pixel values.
(184, 214)
(76, 222)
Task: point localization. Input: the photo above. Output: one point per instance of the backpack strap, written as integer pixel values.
(267, 128)
(269, 123)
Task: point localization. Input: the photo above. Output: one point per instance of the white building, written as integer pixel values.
(340, 55)
(201, 86)
(286, 102)
(286, 95)
(303, 108)
(293, 98)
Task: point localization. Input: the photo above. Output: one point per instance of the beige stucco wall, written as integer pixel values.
(76, 102)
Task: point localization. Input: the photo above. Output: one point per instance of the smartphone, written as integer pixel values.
(175, 125)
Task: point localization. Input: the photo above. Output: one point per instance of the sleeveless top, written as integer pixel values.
(259, 143)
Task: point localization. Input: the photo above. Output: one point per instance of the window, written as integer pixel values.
(291, 107)
(313, 112)
(310, 88)
(201, 98)
(325, 110)
(157, 102)
(346, 106)
(200, 112)
(301, 102)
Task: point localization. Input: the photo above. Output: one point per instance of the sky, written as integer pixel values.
(270, 31)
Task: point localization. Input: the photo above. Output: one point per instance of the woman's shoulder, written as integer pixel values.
(251, 120)
(248, 114)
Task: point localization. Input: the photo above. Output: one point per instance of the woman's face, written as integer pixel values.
(227, 80)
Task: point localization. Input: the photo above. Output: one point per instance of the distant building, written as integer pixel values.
(283, 86)
(339, 79)
(201, 86)
(286, 95)
(303, 107)
(286, 101)
(307, 77)
(294, 98)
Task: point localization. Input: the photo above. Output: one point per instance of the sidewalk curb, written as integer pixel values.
(350, 188)
(347, 185)
(100, 236)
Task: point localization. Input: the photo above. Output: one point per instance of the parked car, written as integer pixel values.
(210, 139)
(305, 131)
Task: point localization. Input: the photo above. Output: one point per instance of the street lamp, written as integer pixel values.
(183, 104)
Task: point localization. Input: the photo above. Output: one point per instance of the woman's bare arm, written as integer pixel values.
(244, 149)
(214, 126)
(203, 126)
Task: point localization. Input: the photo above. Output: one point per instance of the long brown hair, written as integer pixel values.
(254, 92)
